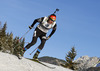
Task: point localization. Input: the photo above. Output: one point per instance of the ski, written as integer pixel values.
(42, 63)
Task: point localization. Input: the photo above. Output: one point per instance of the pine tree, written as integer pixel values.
(3, 38)
(16, 45)
(22, 43)
(4, 30)
(8, 44)
(22, 46)
(71, 55)
(0, 36)
(0, 27)
(69, 59)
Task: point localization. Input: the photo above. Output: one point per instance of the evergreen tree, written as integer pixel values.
(22, 43)
(0, 35)
(0, 32)
(16, 46)
(3, 38)
(8, 44)
(4, 30)
(0, 27)
(22, 46)
(69, 59)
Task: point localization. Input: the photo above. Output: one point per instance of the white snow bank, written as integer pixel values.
(12, 63)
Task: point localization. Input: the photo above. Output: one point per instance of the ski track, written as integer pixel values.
(10, 62)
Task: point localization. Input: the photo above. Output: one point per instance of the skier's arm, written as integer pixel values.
(37, 20)
(53, 31)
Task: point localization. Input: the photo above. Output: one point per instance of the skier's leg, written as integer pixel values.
(40, 47)
(34, 40)
(28, 46)
(42, 44)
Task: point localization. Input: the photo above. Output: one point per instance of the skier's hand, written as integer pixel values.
(47, 38)
(30, 27)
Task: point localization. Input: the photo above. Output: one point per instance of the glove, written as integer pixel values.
(30, 27)
(47, 37)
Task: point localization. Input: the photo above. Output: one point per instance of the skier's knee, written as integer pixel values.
(42, 45)
(43, 42)
(32, 43)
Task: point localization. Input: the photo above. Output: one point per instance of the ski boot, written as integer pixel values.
(19, 54)
(24, 49)
(35, 57)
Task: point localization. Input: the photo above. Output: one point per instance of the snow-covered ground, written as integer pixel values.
(10, 62)
(87, 62)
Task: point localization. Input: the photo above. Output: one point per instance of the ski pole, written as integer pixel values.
(24, 34)
(22, 37)
(33, 50)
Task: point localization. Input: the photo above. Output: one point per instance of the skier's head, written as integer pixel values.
(52, 18)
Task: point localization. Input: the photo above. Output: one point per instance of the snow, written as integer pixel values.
(10, 62)
(87, 62)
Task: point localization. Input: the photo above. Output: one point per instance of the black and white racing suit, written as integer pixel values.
(41, 31)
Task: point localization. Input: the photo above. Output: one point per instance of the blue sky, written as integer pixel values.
(78, 24)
